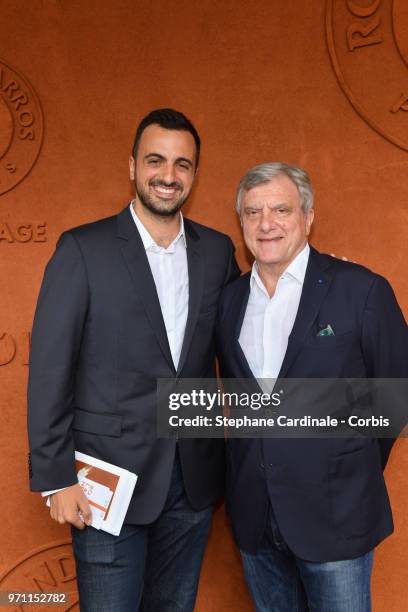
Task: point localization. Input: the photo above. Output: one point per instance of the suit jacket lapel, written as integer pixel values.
(316, 284)
(138, 265)
(237, 314)
(195, 287)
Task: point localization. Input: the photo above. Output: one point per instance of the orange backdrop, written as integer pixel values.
(318, 84)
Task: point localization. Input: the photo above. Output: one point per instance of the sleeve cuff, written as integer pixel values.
(47, 493)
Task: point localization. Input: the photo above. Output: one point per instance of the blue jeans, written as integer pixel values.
(147, 567)
(281, 582)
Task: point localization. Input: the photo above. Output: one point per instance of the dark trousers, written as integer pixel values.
(147, 567)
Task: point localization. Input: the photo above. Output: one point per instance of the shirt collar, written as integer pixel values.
(296, 269)
(148, 241)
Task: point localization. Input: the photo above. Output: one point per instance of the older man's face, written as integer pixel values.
(274, 225)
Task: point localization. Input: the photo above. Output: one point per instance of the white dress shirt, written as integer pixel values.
(170, 273)
(268, 321)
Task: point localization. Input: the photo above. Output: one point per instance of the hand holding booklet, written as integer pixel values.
(108, 488)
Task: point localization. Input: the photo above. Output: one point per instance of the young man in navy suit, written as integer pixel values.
(127, 300)
(306, 513)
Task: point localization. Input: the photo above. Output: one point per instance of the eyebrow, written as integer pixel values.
(154, 155)
(280, 204)
(262, 204)
(179, 159)
(185, 159)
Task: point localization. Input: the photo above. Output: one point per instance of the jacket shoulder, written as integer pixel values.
(350, 271)
(94, 228)
(205, 232)
(235, 289)
(100, 232)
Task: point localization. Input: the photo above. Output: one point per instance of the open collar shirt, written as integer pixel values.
(268, 321)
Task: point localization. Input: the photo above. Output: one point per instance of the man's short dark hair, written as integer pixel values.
(168, 119)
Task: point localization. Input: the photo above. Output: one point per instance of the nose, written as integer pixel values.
(168, 174)
(268, 221)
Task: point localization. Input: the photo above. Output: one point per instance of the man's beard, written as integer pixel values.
(161, 208)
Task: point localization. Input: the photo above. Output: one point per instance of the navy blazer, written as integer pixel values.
(99, 344)
(328, 495)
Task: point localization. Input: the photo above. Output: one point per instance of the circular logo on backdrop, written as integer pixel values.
(49, 569)
(368, 46)
(21, 127)
(8, 348)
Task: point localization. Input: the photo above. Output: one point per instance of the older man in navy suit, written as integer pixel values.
(306, 513)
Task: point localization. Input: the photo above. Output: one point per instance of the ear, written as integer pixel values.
(309, 221)
(132, 168)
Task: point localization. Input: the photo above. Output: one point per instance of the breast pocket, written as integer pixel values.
(332, 356)
(331, 342)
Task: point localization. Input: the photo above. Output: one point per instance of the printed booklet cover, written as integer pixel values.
(108, 488)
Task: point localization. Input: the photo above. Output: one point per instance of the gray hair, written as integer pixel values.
(263, 173)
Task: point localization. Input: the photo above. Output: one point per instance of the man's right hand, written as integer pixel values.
(67, 504)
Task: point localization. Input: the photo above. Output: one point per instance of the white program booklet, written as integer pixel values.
(108, 488)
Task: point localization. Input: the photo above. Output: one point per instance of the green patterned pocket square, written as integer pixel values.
(327, 331)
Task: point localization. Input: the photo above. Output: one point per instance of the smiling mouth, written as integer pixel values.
(164, 191)
(275, 239)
